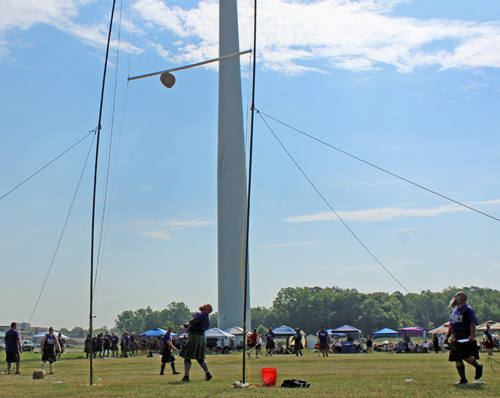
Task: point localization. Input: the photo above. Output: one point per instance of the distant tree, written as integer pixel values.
(78, 332)
(214, 320)
(64, 331)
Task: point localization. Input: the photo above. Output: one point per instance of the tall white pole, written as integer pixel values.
(231, 174)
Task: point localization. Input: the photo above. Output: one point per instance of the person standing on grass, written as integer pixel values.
(441, 343)
(369, 345)
(13, 348)
(144, 348)
(87, 346)
(227, 345)
(114, 344)
(167, 355)
(196, 343)
(324, 341)
(270, 336)
(133, 344)
(254, 339)
(463, 324)
(489, 341)
(126, 345)
(48, 348)
(107, 344)
(60, 339)
(435, 342)
(297, 339)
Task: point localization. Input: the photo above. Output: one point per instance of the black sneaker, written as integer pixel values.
(479, 372)
(463, 381)
(208, 377)
(185, 378)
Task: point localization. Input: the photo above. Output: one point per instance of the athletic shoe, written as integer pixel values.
(18, 373)
(176, 373)
(463, 381)
(257, 357)
(185, 378)
(51, 373)
(208, 377)
(479, 372)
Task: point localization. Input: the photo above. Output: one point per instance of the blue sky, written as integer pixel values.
(410, 86)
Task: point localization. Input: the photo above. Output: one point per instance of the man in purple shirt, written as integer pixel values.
(13, 348)
(167, 355)
(463, 324)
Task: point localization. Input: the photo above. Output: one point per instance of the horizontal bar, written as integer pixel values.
(191, 66)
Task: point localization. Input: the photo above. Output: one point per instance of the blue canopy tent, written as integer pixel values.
(284, 331)
(385, 333)
(157, 332)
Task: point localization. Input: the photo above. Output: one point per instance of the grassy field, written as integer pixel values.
(346, 375)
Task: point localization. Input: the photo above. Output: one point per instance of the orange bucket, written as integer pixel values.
(269, 377)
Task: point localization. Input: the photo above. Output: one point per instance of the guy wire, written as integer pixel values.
(379, 168)
(342, 221)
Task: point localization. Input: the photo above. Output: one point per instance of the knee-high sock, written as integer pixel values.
(162, 368)
(461, 371)
(187, 367)
(43, 365)
(474, 363)
(203, 365)
(51, 366)
(172, 364)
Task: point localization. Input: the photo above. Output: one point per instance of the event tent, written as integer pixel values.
(157, 332)
(385, 333)
(346, 329)
(42, 335)
(412, 332)
(441, 329)
(237, 331)
(216, 333)
(482, 327)
(284, 331)
(331, 333)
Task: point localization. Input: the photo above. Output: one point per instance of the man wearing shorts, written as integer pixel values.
(13, 348)
(323, 338)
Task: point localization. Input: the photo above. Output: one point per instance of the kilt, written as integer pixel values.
(49, 354)
(487, 344)
(323, 346)
(125, 348)
(195, 346)
(167, 355)
(12, 356)
(114, 347)
(460, 351)
(299, 346)
(270, 345)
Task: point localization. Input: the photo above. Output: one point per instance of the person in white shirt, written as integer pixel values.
(441, 342)
(227, 345)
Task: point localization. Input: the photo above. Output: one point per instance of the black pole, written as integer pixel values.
(91, 317)
(249, 189)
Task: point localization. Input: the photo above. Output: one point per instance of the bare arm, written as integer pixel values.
(19, 345)
(472, 336)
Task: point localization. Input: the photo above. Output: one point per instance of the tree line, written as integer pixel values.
(309, 308)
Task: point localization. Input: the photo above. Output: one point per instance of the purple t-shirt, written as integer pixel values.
(126, 340)
(462, 318)
(202, 322)
(11, 338)
(50, 341)
(270, 336)
(323, 336)
(166, 338)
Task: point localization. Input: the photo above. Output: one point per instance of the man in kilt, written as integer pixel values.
(48, 348)
(167, 355)
(196, 343)
(463, 324)
(13, 348)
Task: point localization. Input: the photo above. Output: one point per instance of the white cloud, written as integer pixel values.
(24, 14)
(386, 213)
(156, 234)
(354, 35)
(292, 244)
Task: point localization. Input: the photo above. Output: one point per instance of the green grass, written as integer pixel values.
(346, 375)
